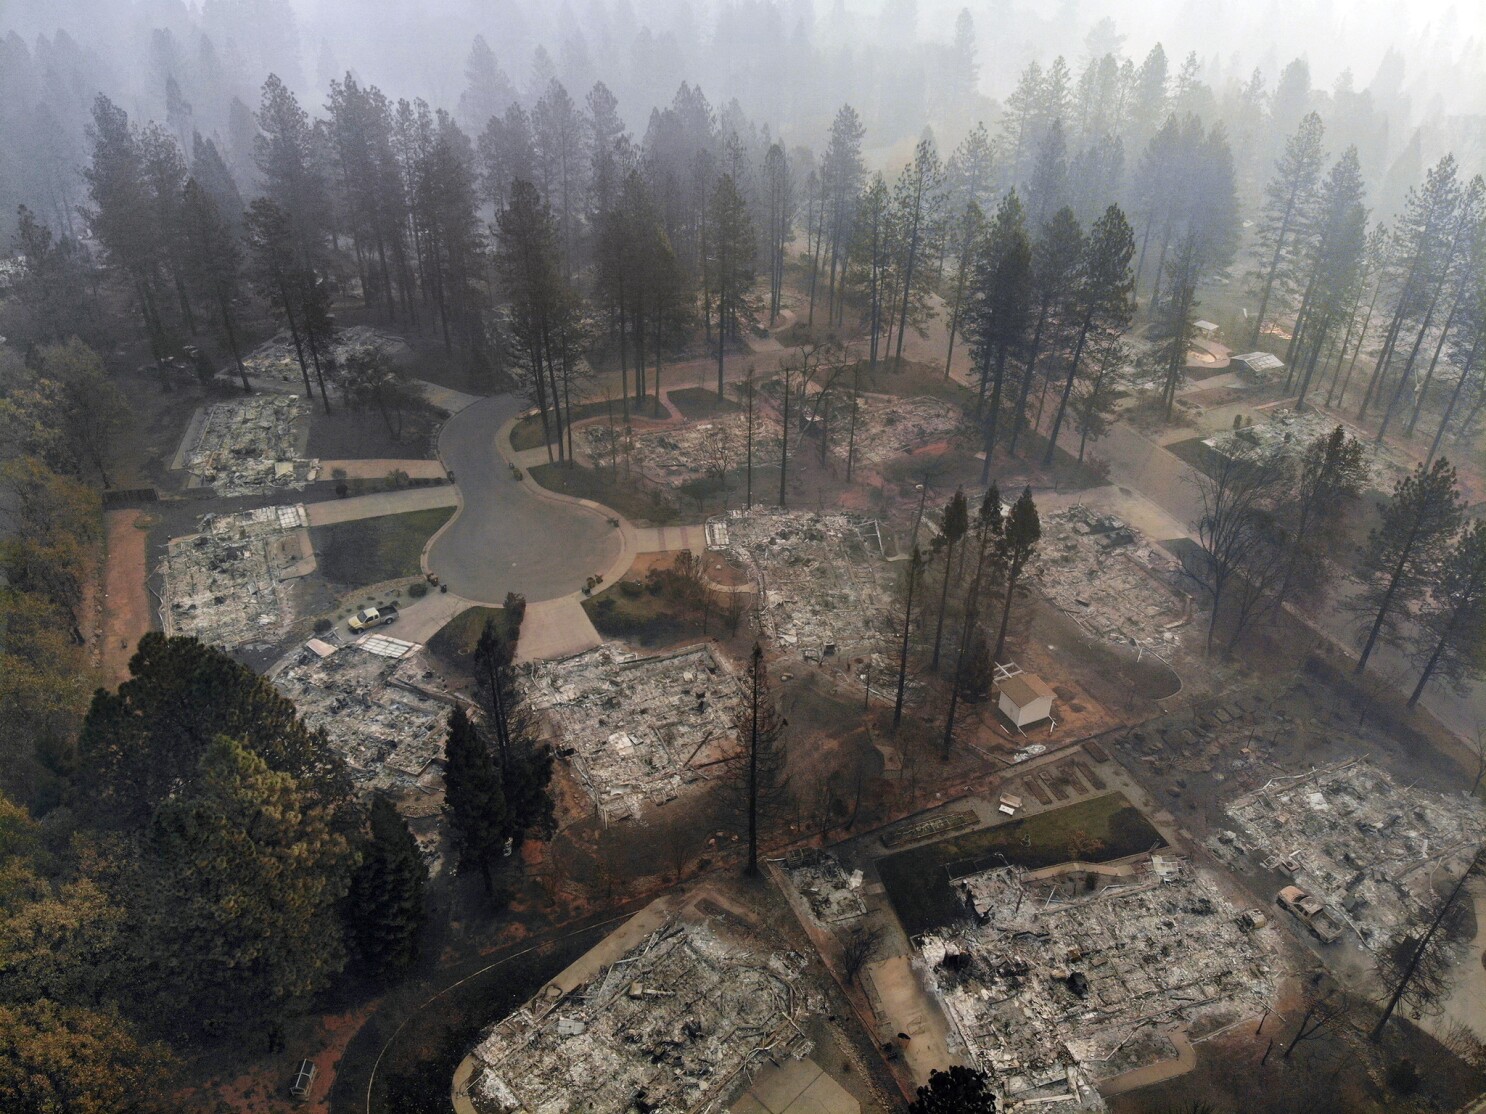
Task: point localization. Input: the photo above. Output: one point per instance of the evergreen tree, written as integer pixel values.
(968, 232)
(916, 206)
(953, 525)
(989, 562)
(232, 895)
(288, 160)
(1287, 213)
(1405, 551)
(763, 779)
(1048, 186)
(1022, 533)
(474, 799)
(1425, 237)
(445, 205)
(779, 226)
(507, 154)
(53, 283)
(1102, 301)
(213, 175)
(872, 262)
(488, 91)
(1056, 256)
(842, 175)
(123, 220)
(1451, 639)
(730, 267)
(213, 261)
(542, 305)
(145, 742)
(384, 909)
(275, 274)
(557, 135)
(1337, 267)
(998, 317)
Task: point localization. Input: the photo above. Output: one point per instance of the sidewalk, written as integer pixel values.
(382, 503)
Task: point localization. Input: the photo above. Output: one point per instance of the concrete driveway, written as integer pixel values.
(506, 536)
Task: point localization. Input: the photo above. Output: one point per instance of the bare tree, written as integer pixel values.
(1326, 1008)
(1417, 962)
(859, 946)
(1237, 490)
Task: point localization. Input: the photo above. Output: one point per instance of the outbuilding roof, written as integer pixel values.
(1023, 688)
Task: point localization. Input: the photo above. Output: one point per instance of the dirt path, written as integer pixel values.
(127, 609)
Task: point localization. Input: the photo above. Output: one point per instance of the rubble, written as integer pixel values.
(224, 585)
(637, 730)
(1289, 432)
(824, 586)
(673, 1025)
(832, 894)
(249, 445)
(381, 716)
(1069, 976)
(277, 359)
(1363, 845)
(1117, 586)
(888, 427)
(677, 455)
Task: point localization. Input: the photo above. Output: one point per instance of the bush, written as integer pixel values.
(1403, 1077)
(417, 590)
(323, 626)
(631, 588)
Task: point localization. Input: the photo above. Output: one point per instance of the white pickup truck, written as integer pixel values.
(369, 617)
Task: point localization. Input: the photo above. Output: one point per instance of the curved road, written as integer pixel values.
(505, 537)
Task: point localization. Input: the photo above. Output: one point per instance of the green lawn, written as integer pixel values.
(701, 402)
(917, 880)
(629, 499)
(371, 550)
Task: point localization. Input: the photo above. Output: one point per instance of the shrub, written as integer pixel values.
(323, 626)
(418, 589)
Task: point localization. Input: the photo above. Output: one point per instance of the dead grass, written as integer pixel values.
(371, 550)
(629, 499)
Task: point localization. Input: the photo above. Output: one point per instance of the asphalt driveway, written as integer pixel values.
(506, 537)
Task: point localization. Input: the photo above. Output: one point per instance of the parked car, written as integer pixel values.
(369, 617)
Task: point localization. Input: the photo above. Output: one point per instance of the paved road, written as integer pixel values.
(505, 536)
(1137, 462)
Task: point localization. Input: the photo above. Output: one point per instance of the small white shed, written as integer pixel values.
(1025, 698)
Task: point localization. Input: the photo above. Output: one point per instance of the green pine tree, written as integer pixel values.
(474, 799)
(384, 908)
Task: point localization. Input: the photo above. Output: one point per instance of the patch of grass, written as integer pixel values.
(629, 499)
(1191, 451)
(908, 380)
(644, 619)
(700, 402)
(527, 433)
(917, 880)
(371, 550)
(455, 641)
